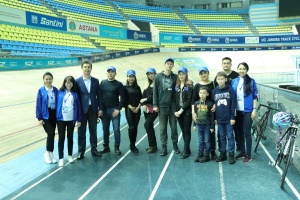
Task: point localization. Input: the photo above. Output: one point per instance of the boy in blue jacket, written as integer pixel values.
(225, 103)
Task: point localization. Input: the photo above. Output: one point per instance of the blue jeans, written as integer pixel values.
(204, 140)
(106, 118)
(244, 123)
(226, 130)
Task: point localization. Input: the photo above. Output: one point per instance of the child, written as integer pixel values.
(205, 124)
(225, 103)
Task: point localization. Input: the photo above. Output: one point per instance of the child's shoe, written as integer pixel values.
(221, 157)
(231, 159)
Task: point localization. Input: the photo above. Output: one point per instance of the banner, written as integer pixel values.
(112, 32)
(238, 49)
(279, 39)
(44, 21)
(24, 64)
(82, 27)
(170, 38)
(12, 15)
(139, 35)
(213, 39)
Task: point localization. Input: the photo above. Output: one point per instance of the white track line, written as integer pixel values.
(222, 181)
(36, 183)
(110, 169)
(294, 190)
(162, 174)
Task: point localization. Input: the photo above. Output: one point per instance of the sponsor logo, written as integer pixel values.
(29, 63)
(167, 38)
(88, 28)
(68, 61)
(49, 22)
(34, 19)
(127, 53)
(210, 40)
(227, 40)
(137, 35)
(2, 63)
(118, 54)
(72, 26)
(136, 52)
(251, 40)
(146, 50)
(193, 39)
(155, 50)
(51, 62)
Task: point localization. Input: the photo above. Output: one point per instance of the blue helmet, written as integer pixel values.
(183, 69)
(151, 70)
(281, 119)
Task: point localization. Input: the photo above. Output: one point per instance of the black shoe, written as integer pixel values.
(80, 156)
(105, 149)
(151, 149)
(134, 149)
(189, 152)
(231, 159)
(240, 156)
(117, 150)
(221, 157)
(164, 150)
(213, 155)
(96, 153)
(204, 159)
(185, 154)
(175, 148)
(199, 156)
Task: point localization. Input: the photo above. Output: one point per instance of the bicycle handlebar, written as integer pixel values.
(269, 107)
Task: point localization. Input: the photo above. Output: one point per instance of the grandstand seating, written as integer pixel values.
(162, 18)
(96, 12)
(216, 23)
(28, 5)
(37, 42)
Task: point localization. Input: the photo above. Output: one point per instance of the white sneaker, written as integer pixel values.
(61, 163)
(47, 158)
(52, 158)
(70, 159)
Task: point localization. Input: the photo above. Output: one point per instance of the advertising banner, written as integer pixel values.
(112, 32)
(213, 39)
(82, 27)
(44, 21)
(139, 35)
(12, 15)
(279, 39)
(170, 38)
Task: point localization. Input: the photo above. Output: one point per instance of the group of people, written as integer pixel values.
(229, 101)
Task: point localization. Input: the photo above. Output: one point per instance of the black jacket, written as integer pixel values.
(187, 93)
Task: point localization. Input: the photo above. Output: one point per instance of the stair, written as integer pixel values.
(188, 22)
(117, 9)
(246, 18)
(52, 9)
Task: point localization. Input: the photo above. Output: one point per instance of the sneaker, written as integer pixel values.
(70, 159)
(164, 151)
(198, 158)
(231, 159)
(151, 149)
(117, 150)
(52, 158)
(47, 158)
(221, 157)
(213, 155)
(240, 156)
(204, 159)
(247, 159)
(61, 163)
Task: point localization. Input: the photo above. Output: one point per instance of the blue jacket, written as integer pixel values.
(59, 104)
(42, 103)
(248, 100)
(225, 101)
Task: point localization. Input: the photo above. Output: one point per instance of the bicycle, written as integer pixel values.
(287, 150)
(260, 127)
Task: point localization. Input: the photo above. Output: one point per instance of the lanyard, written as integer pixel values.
(66, 98)
(50, 94)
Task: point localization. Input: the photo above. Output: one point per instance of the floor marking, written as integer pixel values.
(222, 181)
(294, 190)
(162, 174)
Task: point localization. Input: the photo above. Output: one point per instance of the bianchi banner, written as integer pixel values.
(83, 28)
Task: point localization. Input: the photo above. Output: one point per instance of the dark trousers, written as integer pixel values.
(212, 136)
(166, 114)
(185, 123)
(61, 126)
(243, 125)
(91, 118)
(149, 126)
(49, 127)
(133, 120)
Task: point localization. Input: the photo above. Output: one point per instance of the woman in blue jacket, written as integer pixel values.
(45, 113)
(246, 94)
(68, 112)
(183, 99)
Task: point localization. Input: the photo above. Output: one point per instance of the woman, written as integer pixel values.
(246, 94)
(68, 112)
(204, 75)
(150, 115)
(132, 110)
(45, 113)
(183, 99)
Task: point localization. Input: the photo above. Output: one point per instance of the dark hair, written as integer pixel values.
(204, 88)
(227, 58)
(47, 74)
(221, 74)
(71, 79)
(135, 84)
(247, 82)
(86, 62)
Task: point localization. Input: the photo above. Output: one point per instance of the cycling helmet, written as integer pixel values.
(281, 119)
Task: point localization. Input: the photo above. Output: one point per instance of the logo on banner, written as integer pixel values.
(68, 61)
(208, 40)
(227, 40)
(88, 28)
(251, 40)
(49, 22)
(34, 19)
(136, 35)
(51, 62)
(191, 39)
(29, 63)
(72, 26)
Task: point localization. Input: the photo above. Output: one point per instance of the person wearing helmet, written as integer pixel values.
(150, 115)
(132, 109)
(183, 99)
(246, 95)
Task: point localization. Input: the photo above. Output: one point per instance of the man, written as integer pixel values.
(231, 74)
(164, 104)
(113, 101)
(91, 102)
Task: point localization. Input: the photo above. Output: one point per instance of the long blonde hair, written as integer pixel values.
(149, 82)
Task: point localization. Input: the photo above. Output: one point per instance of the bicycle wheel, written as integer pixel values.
(289, 161)
(259, 133)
